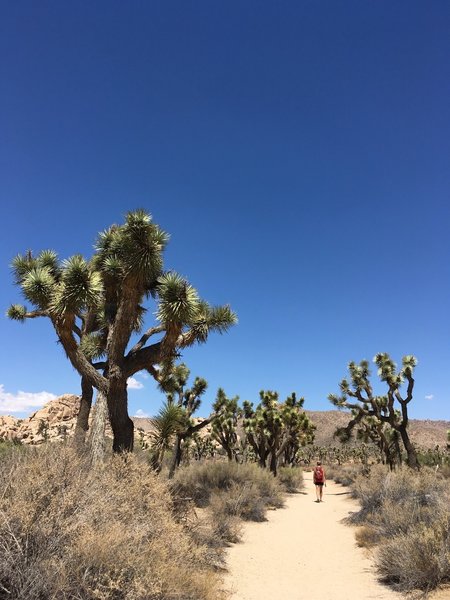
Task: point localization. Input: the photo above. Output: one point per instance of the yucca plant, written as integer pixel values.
(170, 421)
(95, 306)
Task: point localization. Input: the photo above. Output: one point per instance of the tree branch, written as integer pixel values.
(141, 343)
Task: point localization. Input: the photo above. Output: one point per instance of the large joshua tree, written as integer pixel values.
(96, 305)
(391, 408)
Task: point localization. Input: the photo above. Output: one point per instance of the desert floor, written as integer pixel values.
(304, 552)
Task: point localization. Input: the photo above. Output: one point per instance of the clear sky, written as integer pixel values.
(297, 152)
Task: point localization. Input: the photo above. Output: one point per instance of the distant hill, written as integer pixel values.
(424, 433)
(56, 420)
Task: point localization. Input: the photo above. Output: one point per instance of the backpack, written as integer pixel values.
(318, 475)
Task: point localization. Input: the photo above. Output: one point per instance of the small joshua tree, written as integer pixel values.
(173, 381)
(224, 425)
(358, 396)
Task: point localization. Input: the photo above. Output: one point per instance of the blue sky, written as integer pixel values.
(297, 152)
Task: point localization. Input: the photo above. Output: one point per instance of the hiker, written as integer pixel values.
(319, 480)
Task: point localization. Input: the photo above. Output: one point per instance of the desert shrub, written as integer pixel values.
(291, 478)
(8, 447)
(68, 531)
(199, 481)
(230, 492)
(418, 559)
(344, 474)
(367, 536)
(407, 514)
(394, 500)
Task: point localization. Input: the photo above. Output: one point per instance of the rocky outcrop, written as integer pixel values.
(55, 420)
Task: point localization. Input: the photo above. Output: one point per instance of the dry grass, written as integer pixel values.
(73, 533)
(344, 474)
(199, 481)
(231, 493)
(291, 478)
(408, 515)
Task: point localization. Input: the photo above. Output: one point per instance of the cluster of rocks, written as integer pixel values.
(55, 420)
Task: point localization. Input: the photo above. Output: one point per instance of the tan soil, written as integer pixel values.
(304, 552)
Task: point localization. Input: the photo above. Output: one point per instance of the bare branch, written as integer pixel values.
(141, 343)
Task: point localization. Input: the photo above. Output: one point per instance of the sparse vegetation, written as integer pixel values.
(230, 492)
(69, 531)
(406, 514)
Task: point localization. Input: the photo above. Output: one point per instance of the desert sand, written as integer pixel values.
(304, 552)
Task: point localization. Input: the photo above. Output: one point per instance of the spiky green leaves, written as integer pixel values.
(22, 265)
(133, 249)
(409, 363)
(80, 287)
(93, 345)
(171, 420)
(38, 286)
(178, 300)
(17, 312)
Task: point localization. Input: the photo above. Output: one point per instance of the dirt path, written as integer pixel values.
(304, 552)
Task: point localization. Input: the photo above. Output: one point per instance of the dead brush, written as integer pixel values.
(406, 513)
(71, 532)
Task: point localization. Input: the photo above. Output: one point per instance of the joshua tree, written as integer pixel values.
(383, 408)
(224, 425)
(298, 429)
(109, 290)
(173, 380)
(273, 429)
(170, 421)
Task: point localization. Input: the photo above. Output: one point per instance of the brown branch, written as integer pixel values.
(141, 343)
(64, 329)
(144, 359)
(36, 313)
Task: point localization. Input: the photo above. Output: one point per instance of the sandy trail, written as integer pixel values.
(304, 552)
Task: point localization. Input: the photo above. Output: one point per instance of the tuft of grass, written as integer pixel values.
(70, 531)
(291, 478)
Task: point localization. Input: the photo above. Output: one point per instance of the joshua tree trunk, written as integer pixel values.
(97, 441)
(82, 424)
(273, 463)
(411, 459)
(121, 424)
(177, 455)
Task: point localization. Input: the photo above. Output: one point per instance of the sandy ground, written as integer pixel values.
(304, 552)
